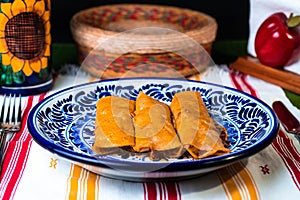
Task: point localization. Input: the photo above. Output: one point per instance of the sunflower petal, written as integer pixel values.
(36, 65)
(17, 7)
(6, 58)
(39, 7)
(29, 5)
(17, 64)
(2, 34)
(46, 16)
(26, 68)
(48, 2)
(3, 21)
(5, 8)
(47, 50)
(47, 27)
(48, 38)
(44, 61)
(3, 46)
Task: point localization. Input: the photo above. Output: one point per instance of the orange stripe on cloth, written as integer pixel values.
(238, 182)
(73, 183)
(92, 186)
(82, 184)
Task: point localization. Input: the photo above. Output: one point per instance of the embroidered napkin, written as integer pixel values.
(30, 172)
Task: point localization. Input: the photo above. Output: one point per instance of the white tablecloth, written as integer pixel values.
(30, 172)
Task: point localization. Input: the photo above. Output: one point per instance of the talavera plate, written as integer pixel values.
(63, 123)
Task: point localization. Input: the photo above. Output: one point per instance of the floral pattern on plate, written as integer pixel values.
(64, 123)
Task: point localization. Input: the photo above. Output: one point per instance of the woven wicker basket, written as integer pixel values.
(115, 40)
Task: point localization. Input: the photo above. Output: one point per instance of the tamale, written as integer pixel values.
(197, 131)
(113, 125)
(154, 130)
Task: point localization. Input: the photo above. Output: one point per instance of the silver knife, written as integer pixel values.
(287, 119)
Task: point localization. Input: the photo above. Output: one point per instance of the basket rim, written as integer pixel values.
(76, 19)
(87, 35)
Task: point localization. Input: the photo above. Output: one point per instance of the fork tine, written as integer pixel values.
(19, 118)
(13, 115)
(8, 116)
(11, 112)
(12, 122)
(2, 110)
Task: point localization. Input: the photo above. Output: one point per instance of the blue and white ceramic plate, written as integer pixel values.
(63, 124)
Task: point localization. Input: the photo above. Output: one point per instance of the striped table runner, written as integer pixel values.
(30, 172)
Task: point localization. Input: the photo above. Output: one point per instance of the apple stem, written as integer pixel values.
(293, 21)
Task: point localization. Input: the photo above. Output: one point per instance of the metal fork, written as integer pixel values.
(10, 120)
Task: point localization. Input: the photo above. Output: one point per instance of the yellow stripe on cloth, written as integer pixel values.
(73, 183)
(92, 186)
(238, 183)
(82, 184)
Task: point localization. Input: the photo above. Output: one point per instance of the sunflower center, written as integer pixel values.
(25, 35)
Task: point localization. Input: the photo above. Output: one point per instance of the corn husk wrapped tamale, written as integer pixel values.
(154, 130)
(113, 125)
(197, 131)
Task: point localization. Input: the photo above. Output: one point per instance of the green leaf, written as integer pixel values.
(293, 21)
(8, 78)
(44, 74)
(19, 77)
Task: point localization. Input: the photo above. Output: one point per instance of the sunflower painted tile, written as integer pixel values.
(25, 43)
